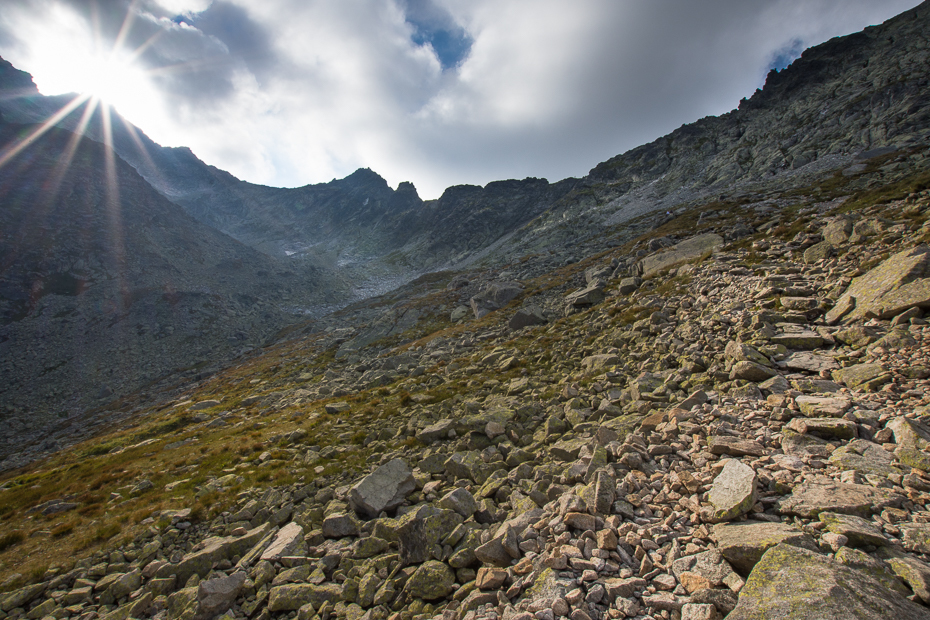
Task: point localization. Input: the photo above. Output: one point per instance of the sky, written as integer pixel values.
(435, 92)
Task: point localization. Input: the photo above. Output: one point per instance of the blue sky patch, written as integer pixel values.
(786, 55)
(434, 25)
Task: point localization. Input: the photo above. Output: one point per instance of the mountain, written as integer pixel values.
(106, 286)
(695, 384)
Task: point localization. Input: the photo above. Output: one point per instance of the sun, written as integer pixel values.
(68, 57)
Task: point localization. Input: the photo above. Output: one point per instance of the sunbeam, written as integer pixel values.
(15, 149)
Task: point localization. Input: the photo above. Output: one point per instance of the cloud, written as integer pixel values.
(288, 92)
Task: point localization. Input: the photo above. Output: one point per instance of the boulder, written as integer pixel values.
(495, 295)
(870, 376)
(501, 550)
(805, 340)
(811, 362)
(733, 492)
(743, 544)
(790, 582)
(431, 581)
(822, 406)
(895, 285)
(214, 550)
(214, 596)
(384, 489)
(837, 231)
(293, 596)
(434, 432)
(286, 542)
(827, 428)
(916, 537)
(687, 251)
(734, 446)
(460, 501)
(810, 498)
(864, 457)
(526, 317)
(588, 296)
(751, 371)
(857, 530)
(340, 525)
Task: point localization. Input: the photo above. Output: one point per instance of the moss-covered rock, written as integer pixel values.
(789, 582)
(432, 581)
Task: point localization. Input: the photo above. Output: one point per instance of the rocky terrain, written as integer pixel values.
(710, 430)
(674, 389)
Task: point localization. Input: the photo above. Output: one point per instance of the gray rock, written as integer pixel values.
(501, 550)
(527, 317)
(811, 362)
(864, 457)
(822, 406)
(495, 296)
(857, 530)
(743, 544)
(431, 581)
(733, 491)
(811, 498)
(383, 489)
(215, 596)
(460, 501)
(435, 432)
(751, 371)
(828, 428)
(340, 525)
(687, 251)
(789, 582)
(861, 375)
(898, 283)
(286, 542)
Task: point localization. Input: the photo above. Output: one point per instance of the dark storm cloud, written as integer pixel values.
(245, 39)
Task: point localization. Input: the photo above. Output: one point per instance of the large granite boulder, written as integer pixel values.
(743, 544)
(733, 492)
(383, 489)
(811, 498)
(495, 295)
(790, 582)
(897, 284)
(687, 251)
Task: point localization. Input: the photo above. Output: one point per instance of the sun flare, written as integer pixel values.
(69, 57)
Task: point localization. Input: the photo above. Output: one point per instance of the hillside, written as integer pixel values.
(107, 287)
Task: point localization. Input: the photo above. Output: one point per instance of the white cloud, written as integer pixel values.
(288, 92)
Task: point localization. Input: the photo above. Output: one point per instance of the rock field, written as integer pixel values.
(742, 434)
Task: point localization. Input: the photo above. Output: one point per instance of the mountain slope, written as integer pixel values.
(106, 286)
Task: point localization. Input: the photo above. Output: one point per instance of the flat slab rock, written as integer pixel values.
(811, 498)
(744, 544)
(734, 446)
(684, 252)
(789, 582)
(811, 362)
(890, 288)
